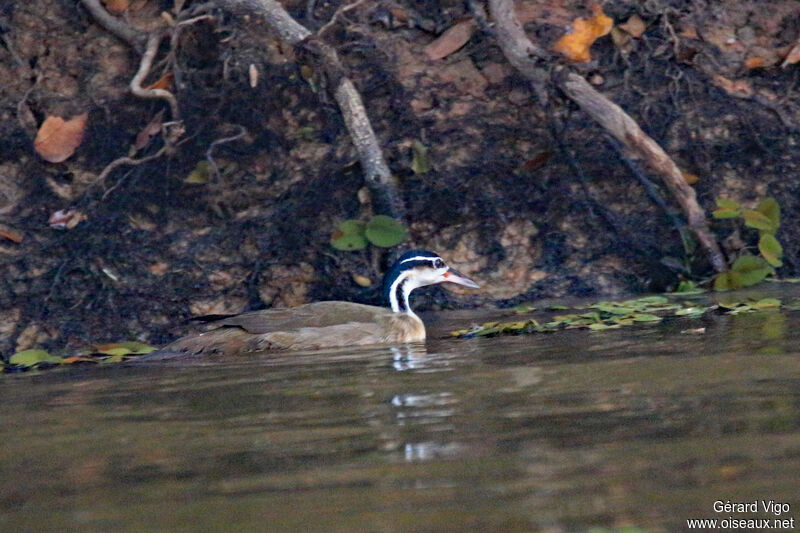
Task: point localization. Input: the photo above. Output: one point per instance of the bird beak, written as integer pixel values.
(454, 276)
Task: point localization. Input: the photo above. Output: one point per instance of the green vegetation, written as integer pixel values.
(607, 315)
(748, 270)
(103, 353)
(380, 230)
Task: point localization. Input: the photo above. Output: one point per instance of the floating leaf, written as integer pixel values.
(29, 358)
(138, 348)
(601, 326)
(724, 282)
(575, 45)
(644, 317)
(766, 303)
(421, 163)
(349, 235)
(57, 138)
(770, 249)
(385, 231)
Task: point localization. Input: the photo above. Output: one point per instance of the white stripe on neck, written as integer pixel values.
(420, 258)
(407, 288)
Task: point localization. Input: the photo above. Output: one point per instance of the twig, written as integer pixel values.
(376, 172)
(127, 161)
(130, 35)
(210, 159)
(339, 12)
(144, 69)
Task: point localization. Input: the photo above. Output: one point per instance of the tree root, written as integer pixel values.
(523, 55)
(116, 27)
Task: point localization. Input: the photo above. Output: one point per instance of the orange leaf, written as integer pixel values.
(77, 359)
(740, 88)
(164, 82)
(635, 26)
(575, 45)
(755, 62)
(116, 6)
(11, 235)
(691, 179)
(451, 40)
(57, 139)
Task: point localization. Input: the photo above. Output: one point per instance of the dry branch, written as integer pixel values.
(521, 52)
(619, 124)
(378, 176)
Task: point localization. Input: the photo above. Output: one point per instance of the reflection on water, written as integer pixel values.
(642, 427)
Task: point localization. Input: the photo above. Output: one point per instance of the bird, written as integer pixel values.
(331, 324)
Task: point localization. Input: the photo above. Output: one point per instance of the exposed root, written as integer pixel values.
(210, 159)
(339, 12)
(144, 69)
(116, 27)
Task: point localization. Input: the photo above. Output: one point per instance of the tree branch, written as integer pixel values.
(376, 172)
(521, 53)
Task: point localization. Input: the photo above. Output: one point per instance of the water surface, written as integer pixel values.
(643, 427)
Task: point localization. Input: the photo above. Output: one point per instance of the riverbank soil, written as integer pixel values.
(530, 200)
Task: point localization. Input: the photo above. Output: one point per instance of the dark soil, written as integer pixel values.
(532, 202)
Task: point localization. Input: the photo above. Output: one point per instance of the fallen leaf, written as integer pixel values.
(755, 62)
(253, 73)
(635, 26)
(164, 82)
(158, 269)
(690, 178)
(537, 161)
(57, 139)
(451, 40)
(690, 32)
(152, 129)
(11, 235)
(740, 88)
(792, 57)
(575, 45)
(362, 281)
(116, 6)
(66, 219)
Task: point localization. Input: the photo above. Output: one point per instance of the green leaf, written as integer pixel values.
(769, 208)
(725, 213)
(421, 163)
(723, 282)
(200, 174)
(766, 303)
(30, 358)
(385, 231)
(725, 203)
(349, 235)
(758, 220)
(771, 249)
(601, 327)
(644, 317)
(749, 270)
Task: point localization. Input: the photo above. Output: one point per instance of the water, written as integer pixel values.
(642, 427)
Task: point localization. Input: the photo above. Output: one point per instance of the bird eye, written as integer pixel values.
(438, 263)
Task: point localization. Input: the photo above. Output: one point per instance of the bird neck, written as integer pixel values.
(398, 292)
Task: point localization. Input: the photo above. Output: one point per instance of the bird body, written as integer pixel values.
(327, 324)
